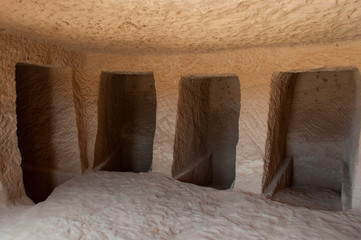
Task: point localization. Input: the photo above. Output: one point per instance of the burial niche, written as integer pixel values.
(46, 128)
(207, 131)
(312, 139)
(126, 122)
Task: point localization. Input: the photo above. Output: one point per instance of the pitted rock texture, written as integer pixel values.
(182, 26)
(321, 133)
(320, 122)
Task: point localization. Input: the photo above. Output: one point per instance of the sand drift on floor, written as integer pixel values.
(113, 205)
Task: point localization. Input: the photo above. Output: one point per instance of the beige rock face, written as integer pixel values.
(254, 67)
(320, 123)
(165, 26)
(312, 121)
(16, 49)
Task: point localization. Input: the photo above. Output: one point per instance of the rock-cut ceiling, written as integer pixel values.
(151, 26)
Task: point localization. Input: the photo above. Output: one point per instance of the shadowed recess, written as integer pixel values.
(46, 129)
(34, 128)
(126, 122)
(207, 131)
(314, 125)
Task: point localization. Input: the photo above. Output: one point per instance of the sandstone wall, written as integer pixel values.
(319, 128)
(254, 67)
(13, 50)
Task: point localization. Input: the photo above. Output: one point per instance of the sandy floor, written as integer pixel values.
(310, 197)
(109, 205)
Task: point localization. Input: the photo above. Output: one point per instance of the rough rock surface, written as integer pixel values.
(207, 130)
(252, 40)
(254, 67)
(317, 126)
(320, 124)
(46, 127)
(182, 26)
(15, 49)
(126, 122)
(282, 86)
